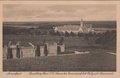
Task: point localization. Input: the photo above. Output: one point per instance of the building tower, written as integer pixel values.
(81, 29)
(81, 23)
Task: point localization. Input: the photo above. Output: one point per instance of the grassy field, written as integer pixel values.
(80, 62)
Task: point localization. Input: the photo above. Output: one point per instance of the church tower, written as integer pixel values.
(81, 23)
(81, 26)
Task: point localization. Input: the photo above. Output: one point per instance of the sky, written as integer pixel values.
(59, 12)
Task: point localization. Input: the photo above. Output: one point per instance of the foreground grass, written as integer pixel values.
(86, 62)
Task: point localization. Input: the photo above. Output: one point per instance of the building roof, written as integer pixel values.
(75, 28)
(68, 28)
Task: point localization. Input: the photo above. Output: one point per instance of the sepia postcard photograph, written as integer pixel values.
(59, 37)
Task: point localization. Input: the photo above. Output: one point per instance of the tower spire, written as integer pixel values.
(81, 24)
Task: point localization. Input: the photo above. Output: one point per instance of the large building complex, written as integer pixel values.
(83, 28)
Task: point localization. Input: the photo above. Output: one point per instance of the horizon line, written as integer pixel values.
(61, 21)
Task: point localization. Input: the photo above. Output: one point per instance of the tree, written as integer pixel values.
(90, 34)
(18, 51)
(58, 50)
(9, 53)
(61, 41)
(80, 34)
(37, 51)
(72, 34)
(52, 32)
(108, 38)
(86, 37)
(62, 34)
(58, 33)
(66, 34)
(45, 50)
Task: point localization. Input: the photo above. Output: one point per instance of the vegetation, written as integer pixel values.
(58, 50)
(9, 53)
(45, 50)
(18, 52)
(108, 38)
(72, 41)
(61, 41)
(37, 51)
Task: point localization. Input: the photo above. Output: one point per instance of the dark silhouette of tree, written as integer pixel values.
(17, 51)
(61, 41)
(66, 34)
(62, 34)
(45, 50)
(80, 34)
(52, 32)
(86, 37)
(58, 33)
(72, 34)
(9, 53)
(90, 34)
(107, 39)
(37, 51)
(58, 50)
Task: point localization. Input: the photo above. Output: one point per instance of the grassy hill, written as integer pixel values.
(80, 62)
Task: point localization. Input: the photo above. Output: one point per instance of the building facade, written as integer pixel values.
(82, 28)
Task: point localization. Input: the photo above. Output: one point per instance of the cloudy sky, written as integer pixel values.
(36, 12)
